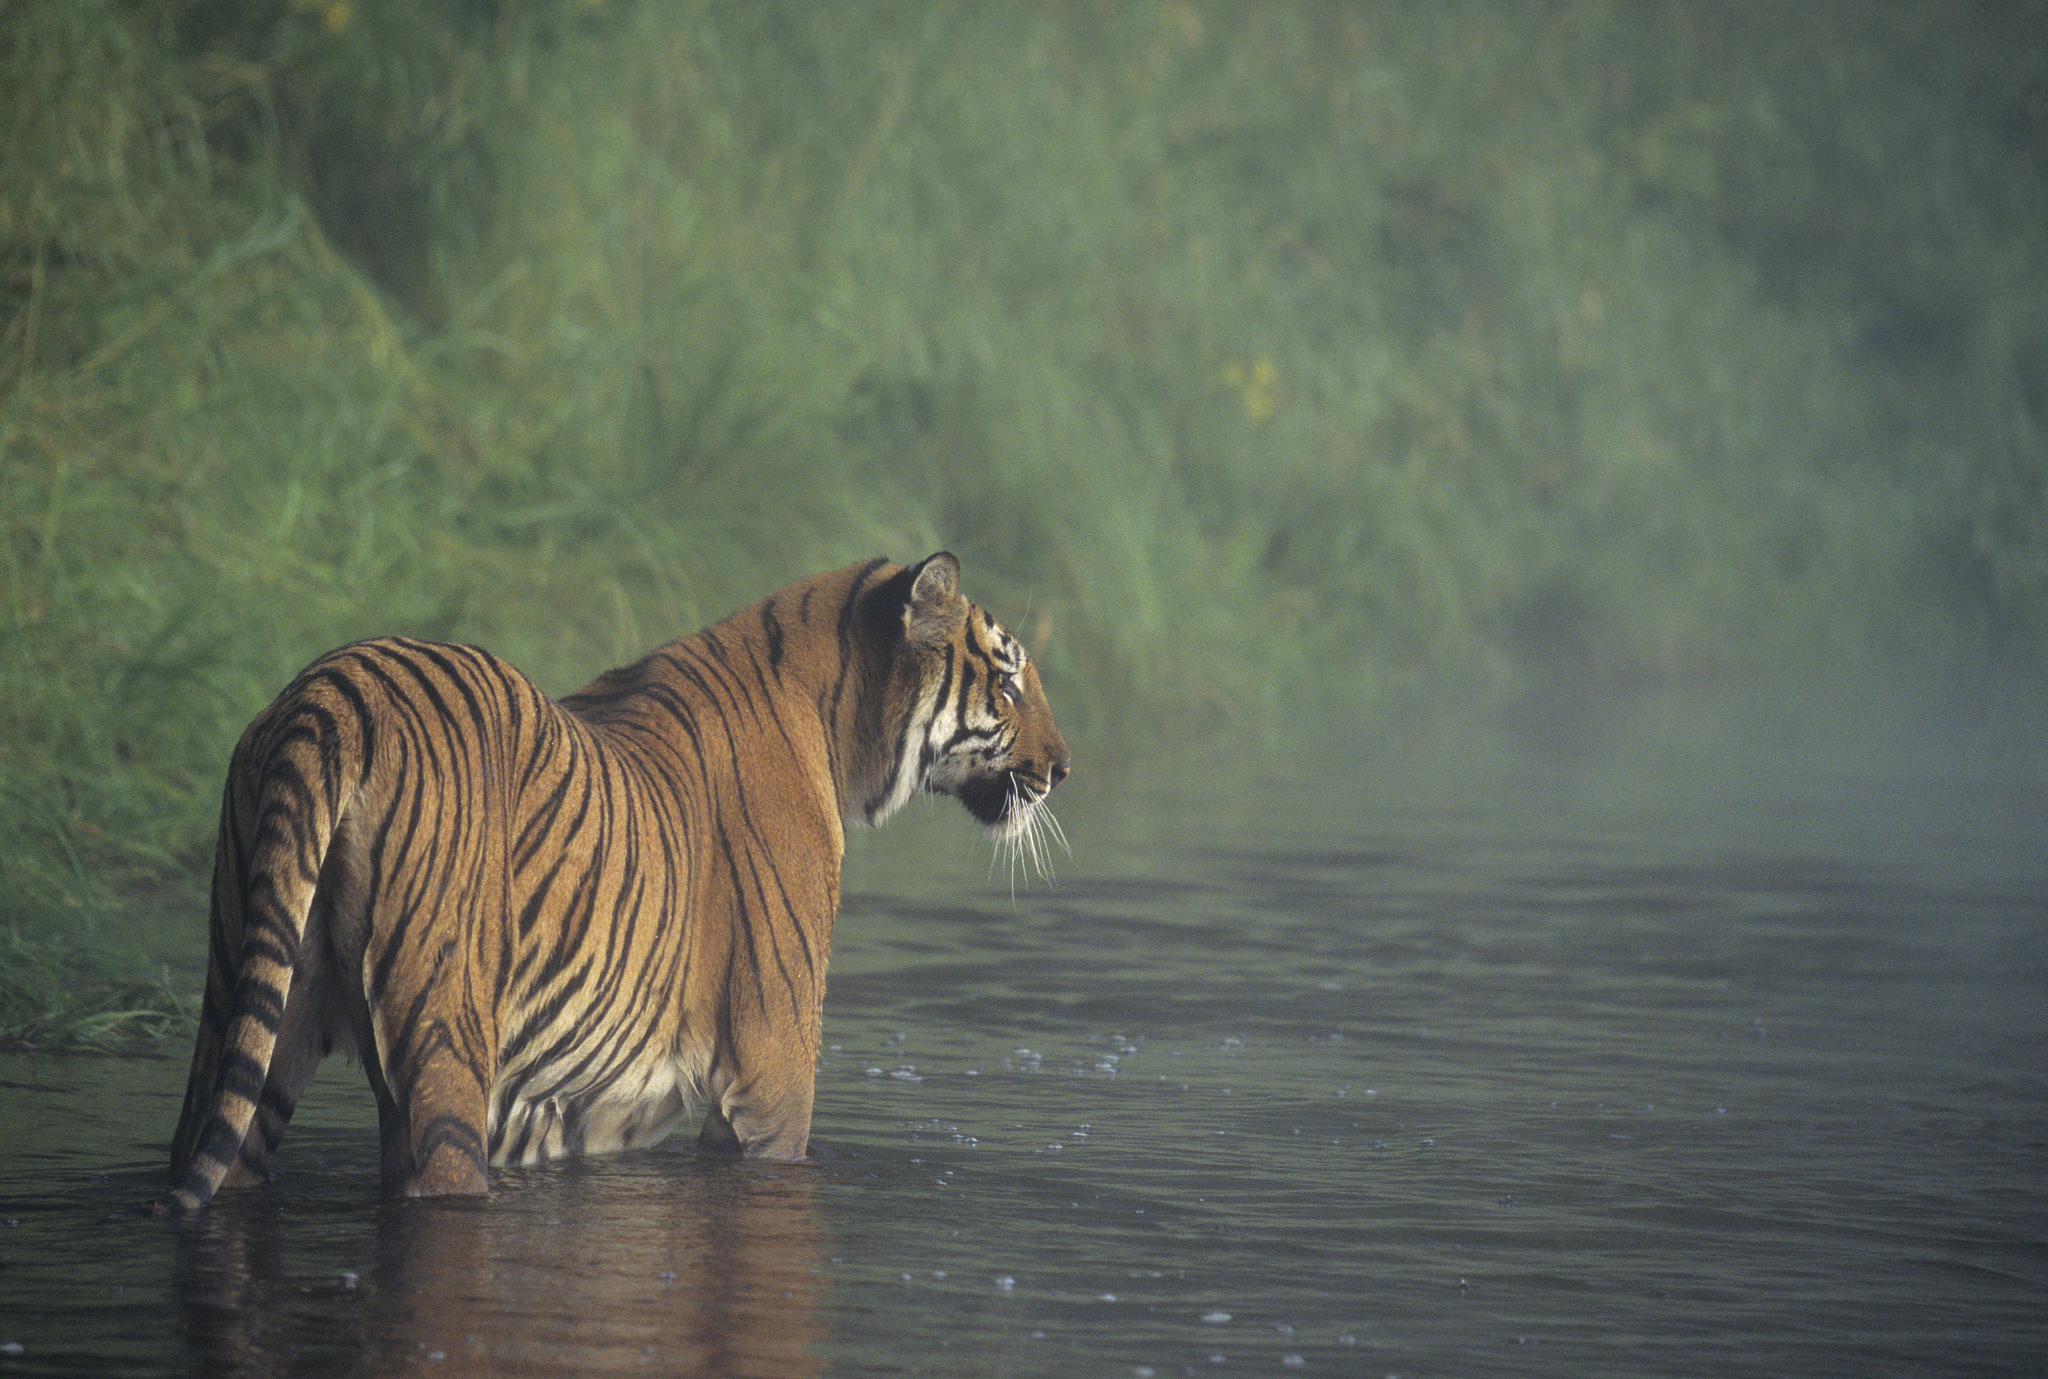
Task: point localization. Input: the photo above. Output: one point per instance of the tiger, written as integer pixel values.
(557, 927)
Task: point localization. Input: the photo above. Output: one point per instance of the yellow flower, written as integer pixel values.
(1257, 387)
(335, 15)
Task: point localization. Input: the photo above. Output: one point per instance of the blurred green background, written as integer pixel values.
(1282, 371)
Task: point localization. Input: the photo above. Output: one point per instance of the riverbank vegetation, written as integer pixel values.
(1261, 362)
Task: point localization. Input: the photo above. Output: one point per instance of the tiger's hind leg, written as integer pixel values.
(431, 1053)
(291, 1068)
(432, 1128)
(307, 1031)
(766, 1115)
(314, 1024)
(253, 1055)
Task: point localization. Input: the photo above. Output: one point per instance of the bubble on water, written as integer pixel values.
(1004, 1283)
(906, 1073)
(1105, 1297)
(1292, 1361)
(874, 1072)
(1218, 1316)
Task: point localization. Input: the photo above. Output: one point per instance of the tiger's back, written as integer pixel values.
(555, 928)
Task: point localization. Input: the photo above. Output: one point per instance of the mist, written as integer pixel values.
(1636, 392)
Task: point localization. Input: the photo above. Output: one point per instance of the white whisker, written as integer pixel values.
(1024, 841)
(1053, 829)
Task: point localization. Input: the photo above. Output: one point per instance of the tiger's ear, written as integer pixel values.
(935, 611)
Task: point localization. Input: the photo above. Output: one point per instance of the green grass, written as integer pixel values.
(1258, 360)
(60, 994)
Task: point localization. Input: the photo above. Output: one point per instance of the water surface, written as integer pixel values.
(1588, 1091)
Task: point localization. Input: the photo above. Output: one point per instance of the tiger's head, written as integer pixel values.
(971, 719)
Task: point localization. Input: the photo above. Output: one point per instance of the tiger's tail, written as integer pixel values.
(280, 810)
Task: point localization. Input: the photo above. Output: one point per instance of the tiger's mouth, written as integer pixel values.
(1001, 802)
(1011, 805)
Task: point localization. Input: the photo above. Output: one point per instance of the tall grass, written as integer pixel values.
(1253, 357)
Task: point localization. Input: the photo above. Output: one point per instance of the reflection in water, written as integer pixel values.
(647, 1264)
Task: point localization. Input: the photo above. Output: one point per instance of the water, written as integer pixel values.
(1474, 1091)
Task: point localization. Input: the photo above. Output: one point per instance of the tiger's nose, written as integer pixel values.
(1059, 769)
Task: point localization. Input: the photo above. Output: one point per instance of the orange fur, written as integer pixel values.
(550, 928)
